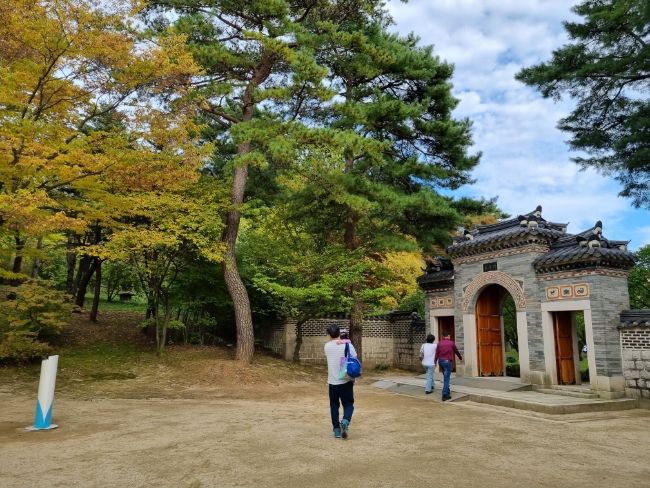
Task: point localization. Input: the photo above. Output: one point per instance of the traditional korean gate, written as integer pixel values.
(566, 372)
(489, 335)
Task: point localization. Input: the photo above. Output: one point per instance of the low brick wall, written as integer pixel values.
(392, 340)
(635, 346)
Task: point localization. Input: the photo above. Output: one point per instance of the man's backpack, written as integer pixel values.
(353, 366)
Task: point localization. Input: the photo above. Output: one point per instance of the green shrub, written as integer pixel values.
(19, 347)
(512, 370)
(32, 315)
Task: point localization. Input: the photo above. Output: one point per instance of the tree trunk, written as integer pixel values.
(82, 270)
(98, 289)
(357, 307)
(351, 243)
(356, 330)
(36, 264)
(234, 284)
(237, 291)
(18, 259)
(298, 346)
(150, 308)
(71, 263)
(82, 286)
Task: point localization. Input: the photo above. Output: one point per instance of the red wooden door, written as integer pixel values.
(566, 370)
(488, 323)
(446, 324)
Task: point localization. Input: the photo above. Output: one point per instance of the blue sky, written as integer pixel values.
(526, 161)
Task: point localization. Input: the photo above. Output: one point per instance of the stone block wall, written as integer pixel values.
(391, 341)
(635, 347)
(273, 338)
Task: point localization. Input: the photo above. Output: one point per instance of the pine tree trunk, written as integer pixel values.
(98, 289)
(237, 291)
(234, 284)
(357, 307)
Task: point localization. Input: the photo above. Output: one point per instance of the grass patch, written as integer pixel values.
(103, 361)
(136, 304)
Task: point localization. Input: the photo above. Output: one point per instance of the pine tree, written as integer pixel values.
(606, 69)
(260, 75)
(399, 143)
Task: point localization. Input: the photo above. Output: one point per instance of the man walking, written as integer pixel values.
(341, 391)
(445, 356)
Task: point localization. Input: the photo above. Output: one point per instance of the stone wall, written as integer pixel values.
(635, 347)
(392, 340)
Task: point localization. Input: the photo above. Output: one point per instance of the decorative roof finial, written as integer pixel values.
(598, 228)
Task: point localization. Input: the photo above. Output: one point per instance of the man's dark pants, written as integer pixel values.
(343, 394)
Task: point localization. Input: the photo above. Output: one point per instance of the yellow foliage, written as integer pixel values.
(405, 267)
(89, 112)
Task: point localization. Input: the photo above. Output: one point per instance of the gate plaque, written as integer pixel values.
(490, 266)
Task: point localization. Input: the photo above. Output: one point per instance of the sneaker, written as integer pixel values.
(428, 392)
(345, 425)
(337, 433)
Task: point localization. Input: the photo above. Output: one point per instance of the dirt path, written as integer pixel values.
(280, 437)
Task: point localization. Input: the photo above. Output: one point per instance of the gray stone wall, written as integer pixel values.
(393, 343)
(273, 338)
(635, 346)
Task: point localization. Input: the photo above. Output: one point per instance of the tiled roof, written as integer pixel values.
(439, 272)
(524, 229)
(511, 234)
(588, 256)
(437, 277)
(584, 250)
(635, 318)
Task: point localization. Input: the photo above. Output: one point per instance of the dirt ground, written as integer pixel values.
(209, 422)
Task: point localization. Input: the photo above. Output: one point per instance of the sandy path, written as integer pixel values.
(395, 441)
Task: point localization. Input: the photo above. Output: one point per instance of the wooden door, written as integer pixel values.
(446, 324)
(566, 371)
(489, 337)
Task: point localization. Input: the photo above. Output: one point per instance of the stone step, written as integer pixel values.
(568, 393)
(556, 409)
(576, 388)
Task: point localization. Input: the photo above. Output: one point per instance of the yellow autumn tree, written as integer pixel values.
(89, 106)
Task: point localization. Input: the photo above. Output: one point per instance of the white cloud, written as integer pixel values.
(525, 159)
(643, 236)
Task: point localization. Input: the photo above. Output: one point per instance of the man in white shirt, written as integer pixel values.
(427, 355)
(341, 391)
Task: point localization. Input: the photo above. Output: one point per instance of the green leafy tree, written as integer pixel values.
(33, 314)
(606, 69)
(639, 280)
(303, 276)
